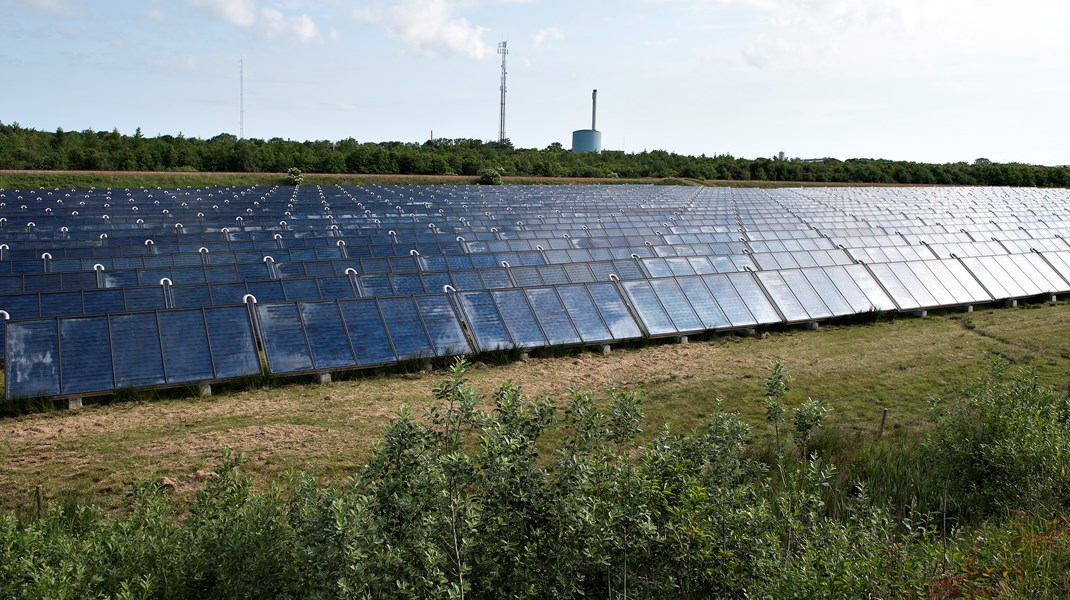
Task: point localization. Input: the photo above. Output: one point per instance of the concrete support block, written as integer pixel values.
(74, 403)
(429, 367)
(1010, 303)
(604, 348)
(919, 313)
(204, 389)
(748, 332)
(1053, 298)
(966, 309)
(524, 355)
(323, 377)
(811, 326)
(680, 339)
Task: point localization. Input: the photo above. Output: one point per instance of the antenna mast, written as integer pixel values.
(503, 51)
(241, 99)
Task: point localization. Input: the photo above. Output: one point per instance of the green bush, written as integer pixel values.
(1005, 447)
(490, 176)
(526, 499)
(294, 176)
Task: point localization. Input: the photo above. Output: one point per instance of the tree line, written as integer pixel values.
(23, 148)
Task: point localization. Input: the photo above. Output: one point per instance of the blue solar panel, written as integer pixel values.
(228, 293)
(144, 298)
(61, 304)
(103, 301)
(755, 299)
(21, 306)
(78, 281)
(675, 302)
(519, 319)
(284, 339)
(651, 312)
(406, 285)
(85, 355)
(187, 275)
(365, 326)
(188, 296)
(135, 342)
(118, 279)
(614, 312)
(45, 282)
(220, 274)
(265, 291)
(326, 333)
(335, 287)
(584, 314)
(32, 364)
(466, 281)
(552, 317)
(185, 346)
(405, 328)
(702, 301)
(230, 335)
(443, 327)
(299, 289)
(376, 285)
(495, 279)
(484, 321)
(729, 300)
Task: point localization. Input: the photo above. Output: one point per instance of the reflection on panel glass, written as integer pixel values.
(443, 327)
(365, 327)
(677, 305)
(484, 321)
(552, 316)
(326, 334)
(652, 314)
(584, 314)
(519, 320)
(32, 364)
(405, 328)
(614, 312)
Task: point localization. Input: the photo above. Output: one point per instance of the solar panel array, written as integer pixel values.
(112, 288)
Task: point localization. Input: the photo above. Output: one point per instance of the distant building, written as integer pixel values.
(588, 140)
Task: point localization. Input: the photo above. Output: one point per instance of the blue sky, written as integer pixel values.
(925, 80)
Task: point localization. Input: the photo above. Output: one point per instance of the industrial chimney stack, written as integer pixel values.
(594, 109)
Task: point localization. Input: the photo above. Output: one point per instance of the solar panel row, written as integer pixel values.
(356, 275)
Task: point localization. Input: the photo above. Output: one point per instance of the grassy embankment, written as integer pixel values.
(121, 179)
(97, 453)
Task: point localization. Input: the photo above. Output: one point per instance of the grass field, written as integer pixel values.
(124, 179)
(96, 453)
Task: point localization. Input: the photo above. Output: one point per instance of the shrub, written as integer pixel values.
(1006, 447)
(490, 176)
(294, 176)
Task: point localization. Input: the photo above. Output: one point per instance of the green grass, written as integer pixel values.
(292, 423)
(118, 179)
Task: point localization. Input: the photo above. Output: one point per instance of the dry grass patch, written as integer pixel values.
(858, 370)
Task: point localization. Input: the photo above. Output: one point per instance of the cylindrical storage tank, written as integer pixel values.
(586, 140)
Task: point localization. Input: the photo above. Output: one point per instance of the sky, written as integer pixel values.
(921, 80)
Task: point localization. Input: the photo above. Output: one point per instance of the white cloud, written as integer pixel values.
(62, 8)
(547, 37)
(271, 23)
(430, 27)
(277, 25)
(236, 12)
(802, 34)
